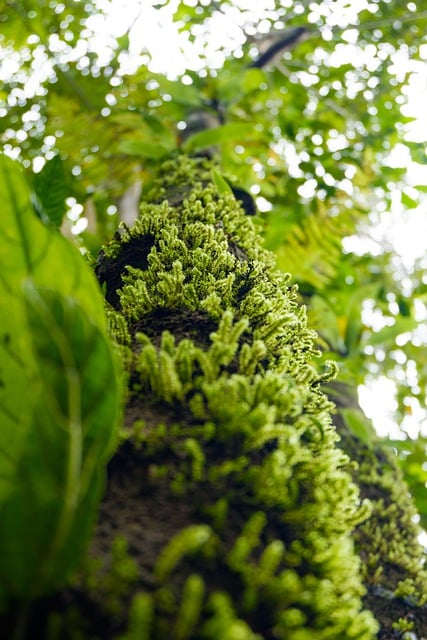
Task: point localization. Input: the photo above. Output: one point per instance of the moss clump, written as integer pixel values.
(241, 504)
(393, 557)
(393, 560)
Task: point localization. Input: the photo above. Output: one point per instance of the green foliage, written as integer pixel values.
(51, 191)
(230, 134)
(313, 246)
(412, 453)
(220, 183)
(359, 425)
(319, 93)
(58, 425)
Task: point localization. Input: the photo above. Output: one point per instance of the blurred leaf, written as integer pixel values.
(388, 335)
(48, 514)
(353, 313)
(359, 425)
(251, 79)
(184, 94)
(323, 319)
(404, 307)
(159, 128)
(227, 133)
(146, 150)
(220, 183)
(43, 413)
(407, 201)
(413, 455)
(51, 191)
(30, 250)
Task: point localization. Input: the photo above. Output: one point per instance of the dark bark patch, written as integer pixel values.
(388, 610)
(152, 414)
(237, 251)
(141, 509)
(245, 199)
(182, 323)
(176, 195)
(110, 271)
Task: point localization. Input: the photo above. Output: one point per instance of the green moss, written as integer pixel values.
(395, 560)
(112, 583)
(140, 618)
(226, 409)
(403, 625)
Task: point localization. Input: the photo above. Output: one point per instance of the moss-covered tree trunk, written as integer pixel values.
(230, 508)
(393, 561)
(241, 509)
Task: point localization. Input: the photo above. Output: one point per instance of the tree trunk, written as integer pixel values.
(387, 541)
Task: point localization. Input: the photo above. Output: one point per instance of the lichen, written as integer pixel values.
(231, 425)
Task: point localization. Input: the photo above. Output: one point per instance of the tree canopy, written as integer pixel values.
(306, 107)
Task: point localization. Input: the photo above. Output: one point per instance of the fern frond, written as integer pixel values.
(311, 249)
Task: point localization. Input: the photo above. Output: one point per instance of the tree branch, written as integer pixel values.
(281, 42)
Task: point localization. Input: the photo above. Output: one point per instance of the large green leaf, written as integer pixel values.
(47, 516)
(56, 420)
(28, 250)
